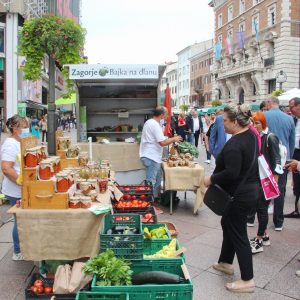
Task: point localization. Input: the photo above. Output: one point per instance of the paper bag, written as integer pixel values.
(62, 279)
(78, 278)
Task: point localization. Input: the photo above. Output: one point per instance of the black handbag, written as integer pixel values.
(218, 200)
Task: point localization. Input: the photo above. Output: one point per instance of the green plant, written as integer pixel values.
(109, 269)
(278, 92)
(216, 103)
(184, 107)
(60, 38)
(186, 147)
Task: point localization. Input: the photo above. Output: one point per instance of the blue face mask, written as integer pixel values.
(24, 133)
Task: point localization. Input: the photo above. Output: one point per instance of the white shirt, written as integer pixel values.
(196, 124)
(297, 136)
(151, 136)
(9, 151)
(205, 126)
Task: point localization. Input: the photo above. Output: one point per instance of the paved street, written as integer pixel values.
(201, 235)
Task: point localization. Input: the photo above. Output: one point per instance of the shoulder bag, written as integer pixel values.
(218, 200)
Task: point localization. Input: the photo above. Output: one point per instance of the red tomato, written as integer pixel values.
(142, 197)
(48, 290)
(148, 216)
(126, 189)
(126, 197)
(133, 197)
(38, 283)
(40, 289)
(34, 289)
(140, 202)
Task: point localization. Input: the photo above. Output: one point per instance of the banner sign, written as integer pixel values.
(99, 71)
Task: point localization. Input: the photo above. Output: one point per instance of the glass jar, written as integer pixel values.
(83, 158)
(31, 158)
(85, 187)
(62, 182)
(103, 183)
(64, 143)
(74, 202)
(85, 202)
(45, 170)
(93, 183)
(78, 182)
(93, 195)
(103, 173)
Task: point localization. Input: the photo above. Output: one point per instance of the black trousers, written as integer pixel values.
(234, 225)
(296, 180)
(196, 137)
(44, 135)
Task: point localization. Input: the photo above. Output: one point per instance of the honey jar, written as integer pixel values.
(83, 158)
(64, 143)
(45, 170)
(85, 187)
(31, 158)
(62, 182)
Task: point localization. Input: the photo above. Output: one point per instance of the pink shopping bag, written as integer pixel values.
(268, 182)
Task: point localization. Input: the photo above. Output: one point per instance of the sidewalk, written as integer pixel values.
(201, 234)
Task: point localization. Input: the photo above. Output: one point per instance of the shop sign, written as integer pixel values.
(99, 71)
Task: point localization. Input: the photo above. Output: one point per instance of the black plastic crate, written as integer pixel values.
(30, 295)
(128, 209)
(143, 213)
(144, 188)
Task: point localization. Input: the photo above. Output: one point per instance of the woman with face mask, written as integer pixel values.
(10, 165)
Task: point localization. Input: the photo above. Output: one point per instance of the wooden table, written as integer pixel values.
(184, 179)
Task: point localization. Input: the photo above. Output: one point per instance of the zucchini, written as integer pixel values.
(158, 277)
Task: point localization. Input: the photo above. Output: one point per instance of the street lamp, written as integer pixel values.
(281, 77)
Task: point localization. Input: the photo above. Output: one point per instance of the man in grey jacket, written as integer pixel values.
(283, 126)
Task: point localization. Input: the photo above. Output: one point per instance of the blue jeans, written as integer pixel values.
(15, 235)
(190, 138)
(153, 173)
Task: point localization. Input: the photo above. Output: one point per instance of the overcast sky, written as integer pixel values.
(140, 31)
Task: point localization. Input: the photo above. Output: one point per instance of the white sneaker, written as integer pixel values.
(271, 209)
(298, 273)
(250, 224)
(18, 257)
(278, 228)
(207, 161)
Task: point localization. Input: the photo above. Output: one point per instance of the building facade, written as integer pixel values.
(259, 48)
(201, 66)
(16, 94)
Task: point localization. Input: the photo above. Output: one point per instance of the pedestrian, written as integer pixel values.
(237, 173)
(10, 165)
(181, 125)
(270, 150)
(43, 127)
(263, 106)
(294, 106)
(174, 124)
(194, 127)
(151, 147)
(207, 137)
(35, 129)
(282, 125)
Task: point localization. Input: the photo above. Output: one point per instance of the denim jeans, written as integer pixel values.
(15, 235)
(190, 138)
(153, 173)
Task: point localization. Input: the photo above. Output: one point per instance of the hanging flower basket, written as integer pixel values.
(60, 38)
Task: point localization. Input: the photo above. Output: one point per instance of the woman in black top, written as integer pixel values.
(237, 163)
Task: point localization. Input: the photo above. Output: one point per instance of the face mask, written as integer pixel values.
(24, 133)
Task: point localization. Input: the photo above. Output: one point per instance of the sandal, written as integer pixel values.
(223, 268)
(236, 288)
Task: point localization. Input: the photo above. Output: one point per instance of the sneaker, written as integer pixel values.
(278, 228)
(298, 273)
(257, 246)
(250, 224)
(271, 209)
(207, 161)
(266, 240)
(18, 257)
(294, 214)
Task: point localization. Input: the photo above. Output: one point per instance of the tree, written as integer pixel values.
(216, 103)
(278, 92)
(184, 107)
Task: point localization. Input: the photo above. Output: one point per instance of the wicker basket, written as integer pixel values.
(171, 227)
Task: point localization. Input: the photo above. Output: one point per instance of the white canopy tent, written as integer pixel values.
(288, 95)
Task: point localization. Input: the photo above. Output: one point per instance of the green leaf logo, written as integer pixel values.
(103, 71)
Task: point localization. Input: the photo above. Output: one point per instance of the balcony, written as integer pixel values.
(269, 62)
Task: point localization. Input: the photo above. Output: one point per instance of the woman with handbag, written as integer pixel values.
(270, 150)
(236, 173)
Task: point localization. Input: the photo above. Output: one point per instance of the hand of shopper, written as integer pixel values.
(292, 165)
(207, 181)
(177, 138)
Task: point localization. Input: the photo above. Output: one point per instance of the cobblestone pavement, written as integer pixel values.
(201, 234)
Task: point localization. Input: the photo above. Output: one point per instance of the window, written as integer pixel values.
(220, 21)
(255, 20)
(271, 15)
(230, 34)
(255, 2)
(220, 39)
(242, 6)
(230, 13)
(271, 86)
(192, 68)
(175, 89)
(242, 27)
(2, 39)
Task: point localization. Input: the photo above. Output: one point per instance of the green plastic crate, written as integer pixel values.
(158, 242)
(182, 291)
(132, 247)
(101, 296)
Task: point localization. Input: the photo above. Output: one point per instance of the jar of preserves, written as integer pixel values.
(78, 182)
(74, 202)
(56, 166)
(44, 153)
(85, 188)
(85, 202)
(103, 183)
(31, 158)
(45, 170)
(93, 195)
(93, 183)
(63, 143)
(62, 182)
(83, 158)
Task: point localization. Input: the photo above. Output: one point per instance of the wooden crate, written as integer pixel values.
(41, 195)
(61, 153)
(29, 174)
(68, 162)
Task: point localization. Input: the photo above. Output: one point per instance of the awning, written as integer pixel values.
(66, 101)
(34, 105)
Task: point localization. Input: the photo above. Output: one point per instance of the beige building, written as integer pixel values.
(257, 61)
(201, 76)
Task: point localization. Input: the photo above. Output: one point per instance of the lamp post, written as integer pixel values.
(281, 77)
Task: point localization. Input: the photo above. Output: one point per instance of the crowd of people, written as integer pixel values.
(236, 137)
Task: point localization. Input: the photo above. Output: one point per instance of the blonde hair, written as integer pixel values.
(240, 113)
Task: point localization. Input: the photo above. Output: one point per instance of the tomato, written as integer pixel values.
(34, 289)
(38, 283)
(48, 290)
(140, 202)
(126, 197)
(142, 197)
(40, 289)
(118, 218)
(127, 189)
(133, 197)
(148, 216)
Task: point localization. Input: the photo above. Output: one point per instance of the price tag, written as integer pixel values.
(180, 251)
(123, 115)
(185, 271)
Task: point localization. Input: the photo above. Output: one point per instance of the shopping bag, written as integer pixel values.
(267, 180)
(62, 279)
(78, 279)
